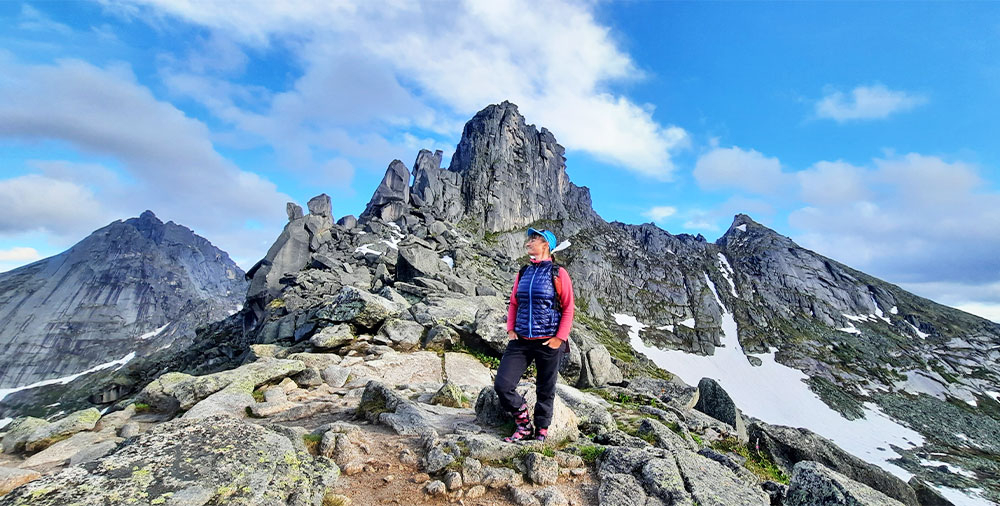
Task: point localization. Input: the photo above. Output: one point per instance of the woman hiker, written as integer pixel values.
(538, 324)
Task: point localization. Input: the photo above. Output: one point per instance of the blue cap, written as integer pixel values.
(548, 235)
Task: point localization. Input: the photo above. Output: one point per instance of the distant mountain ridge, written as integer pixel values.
(134, 285)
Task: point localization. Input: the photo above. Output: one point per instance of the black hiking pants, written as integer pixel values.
(516, 359)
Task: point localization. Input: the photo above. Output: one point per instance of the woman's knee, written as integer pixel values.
(501, 384)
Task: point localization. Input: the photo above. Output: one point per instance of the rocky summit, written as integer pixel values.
(134, 286)
(359, 370)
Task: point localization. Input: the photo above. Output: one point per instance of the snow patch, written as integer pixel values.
(727, 272)
(689, 323)
(850, 329)
(5, 422)
(448, 260)
(365, 249)
(742, 228)
(878, 311)
(970, 497)
(915, 329)
(117, 364)
(155, 333)
(668, 328)
(894, 310)
(778, 394)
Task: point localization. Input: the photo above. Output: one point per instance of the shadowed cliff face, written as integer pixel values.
(132, 286)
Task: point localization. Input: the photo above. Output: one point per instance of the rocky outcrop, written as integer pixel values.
(210, 461)
(816, 485)
(392, 197)
(133, 286)
(789, 446)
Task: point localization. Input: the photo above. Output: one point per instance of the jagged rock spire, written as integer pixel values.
(392, 197)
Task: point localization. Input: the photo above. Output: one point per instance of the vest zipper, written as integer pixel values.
(531, 315)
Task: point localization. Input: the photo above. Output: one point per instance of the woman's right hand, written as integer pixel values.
(511, 335)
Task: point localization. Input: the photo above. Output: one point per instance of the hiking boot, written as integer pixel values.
(523, 426)
(541, 434)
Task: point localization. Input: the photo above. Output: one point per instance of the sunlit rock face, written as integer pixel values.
(133, 286)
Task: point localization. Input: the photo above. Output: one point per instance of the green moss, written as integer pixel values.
(590, 453)
(141, 407)
(698, 439)
(276, 304)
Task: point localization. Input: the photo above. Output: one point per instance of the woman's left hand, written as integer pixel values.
(553, 343)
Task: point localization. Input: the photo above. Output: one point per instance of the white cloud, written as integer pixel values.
(832, 183)
(434, 64)
(660, 213)
(989, 311)
(920, 219)
(19, 254)
(171, 166)
(866, 102)
(38, 203)
(741, 169)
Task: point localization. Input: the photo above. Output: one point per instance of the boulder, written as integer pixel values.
(400, 369)
(320, 205)
(815, 484)
(228, 402)
(660, 435)
(192, 390)
(464, 369)
(716, 403)
(589, 409)
(588, 363)
(621, 490)
(19, 431)
(217, 460)
(360, 308)
(348, 221)
(336, 376)
(564, 421)
(788, 446)
(62, 452)
(333, 336)
(449, 395)
(662, 478)
(489, 329)
(293, 210)
(380, 404)
(392, 196)
(403, 335)
(541, 470)
(418, 262)
(710, 483)
(45, 435)
(926, 494)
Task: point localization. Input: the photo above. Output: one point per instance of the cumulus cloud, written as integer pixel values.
(832, 183)
(921, 219)
(865, 103)
(660, 213)
(19, 254)
(433, 65)
(172, 166)
(38, 203)
(740, 169)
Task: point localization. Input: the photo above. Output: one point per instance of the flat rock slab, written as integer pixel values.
(464, 369)
(63, 451)
(12, 478)
(401, 369)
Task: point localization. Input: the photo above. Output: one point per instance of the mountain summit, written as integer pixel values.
(132, 286)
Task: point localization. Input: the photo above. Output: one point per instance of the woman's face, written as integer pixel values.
(536, 245)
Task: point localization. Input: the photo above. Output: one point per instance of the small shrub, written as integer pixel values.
(312, 442)
(142, 407)
(756, 461)
(697, 439)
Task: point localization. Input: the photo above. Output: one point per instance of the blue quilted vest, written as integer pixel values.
(538, 313)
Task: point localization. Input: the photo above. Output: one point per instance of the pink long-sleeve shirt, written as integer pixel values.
(564, 290)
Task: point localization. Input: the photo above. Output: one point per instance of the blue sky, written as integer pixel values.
(865, 131)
